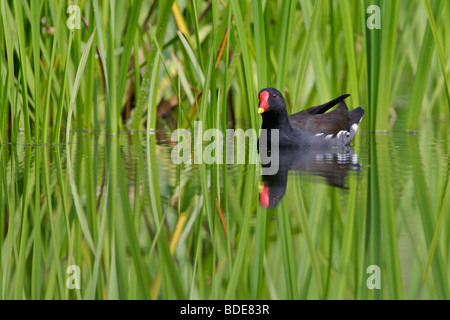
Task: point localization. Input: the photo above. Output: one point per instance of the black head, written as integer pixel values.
(271, 100)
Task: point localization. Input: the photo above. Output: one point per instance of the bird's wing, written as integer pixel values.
(328, 123)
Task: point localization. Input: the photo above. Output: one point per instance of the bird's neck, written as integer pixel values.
(276, 120)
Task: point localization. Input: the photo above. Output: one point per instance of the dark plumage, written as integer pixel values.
(310, 128)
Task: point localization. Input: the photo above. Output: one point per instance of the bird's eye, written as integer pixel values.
(274, 96)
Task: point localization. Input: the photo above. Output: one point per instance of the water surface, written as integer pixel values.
(139, 226)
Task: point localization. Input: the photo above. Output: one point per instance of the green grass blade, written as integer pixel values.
(36, 264)
(77, 83)
(57, 128)
(306, 49)
(142, 98)
(260, 43)
(423, 70)
(35, 35)
(387, 57)
(78, 204)
(246, 61)
(285, 41)
(45, 117)
(133, 21)
(21, 35)
(20, 276)
(439, 47)
(198, 70)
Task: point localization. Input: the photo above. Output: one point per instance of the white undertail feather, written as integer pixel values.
(344, 136)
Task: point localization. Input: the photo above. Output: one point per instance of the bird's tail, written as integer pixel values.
(356, 116)
(327, 106)
(355, 119)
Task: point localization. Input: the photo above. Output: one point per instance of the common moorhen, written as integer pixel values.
(310, 128)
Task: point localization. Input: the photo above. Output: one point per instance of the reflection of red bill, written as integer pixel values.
(263, 102)
(264, 197)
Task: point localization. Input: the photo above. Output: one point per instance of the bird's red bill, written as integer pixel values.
(264, 100)
(264, 197)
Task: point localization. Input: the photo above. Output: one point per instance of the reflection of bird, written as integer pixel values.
(333, 164)
(311, 127)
